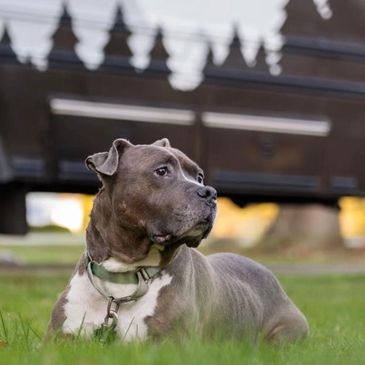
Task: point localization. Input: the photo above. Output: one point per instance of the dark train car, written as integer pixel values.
(295, 137)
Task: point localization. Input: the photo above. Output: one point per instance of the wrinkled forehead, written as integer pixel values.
(145, 156)
(185, 162)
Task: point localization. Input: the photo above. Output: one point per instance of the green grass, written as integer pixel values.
(52, 254)
(69, 254)
(335, 308)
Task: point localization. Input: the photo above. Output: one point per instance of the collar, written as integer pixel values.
(141, 277)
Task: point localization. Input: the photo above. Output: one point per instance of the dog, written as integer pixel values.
(141, 275)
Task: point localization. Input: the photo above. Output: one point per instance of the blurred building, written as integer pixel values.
(267, 96)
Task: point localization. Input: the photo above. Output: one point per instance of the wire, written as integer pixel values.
(96, 67)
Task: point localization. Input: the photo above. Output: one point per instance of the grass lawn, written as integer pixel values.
(69, 254)
(47, 254)
(335, 307)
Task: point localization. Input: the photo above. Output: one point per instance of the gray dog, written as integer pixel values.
(141, 275)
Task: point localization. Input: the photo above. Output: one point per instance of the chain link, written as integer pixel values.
(111, 318)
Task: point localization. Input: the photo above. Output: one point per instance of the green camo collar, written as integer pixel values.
(140, 277)
(128, 277)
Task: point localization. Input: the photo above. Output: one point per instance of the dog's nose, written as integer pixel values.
(207, 192)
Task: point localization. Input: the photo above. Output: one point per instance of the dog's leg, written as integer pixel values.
(58, 316)
(79, 310)
(289, 326)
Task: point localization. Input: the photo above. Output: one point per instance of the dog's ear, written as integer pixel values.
(164, 142)
(106, 163)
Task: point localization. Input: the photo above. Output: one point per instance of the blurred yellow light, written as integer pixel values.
(352, 217)
(248, 223)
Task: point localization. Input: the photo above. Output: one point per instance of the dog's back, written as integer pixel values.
(280, 318)
(234, 295)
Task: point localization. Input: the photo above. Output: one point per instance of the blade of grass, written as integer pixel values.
(81, 326)
(4, 327)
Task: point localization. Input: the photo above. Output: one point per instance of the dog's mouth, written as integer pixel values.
(161, 239)
(191, 236)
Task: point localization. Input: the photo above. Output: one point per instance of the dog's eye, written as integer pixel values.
(200, 179)
(161, 171)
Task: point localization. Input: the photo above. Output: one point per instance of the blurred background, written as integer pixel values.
(267, 96)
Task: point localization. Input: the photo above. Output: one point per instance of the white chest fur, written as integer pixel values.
(85, 308)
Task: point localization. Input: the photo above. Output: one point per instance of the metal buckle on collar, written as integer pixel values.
(111, 318)
(144, 274)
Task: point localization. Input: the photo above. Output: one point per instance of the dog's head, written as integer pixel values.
(152, 195)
